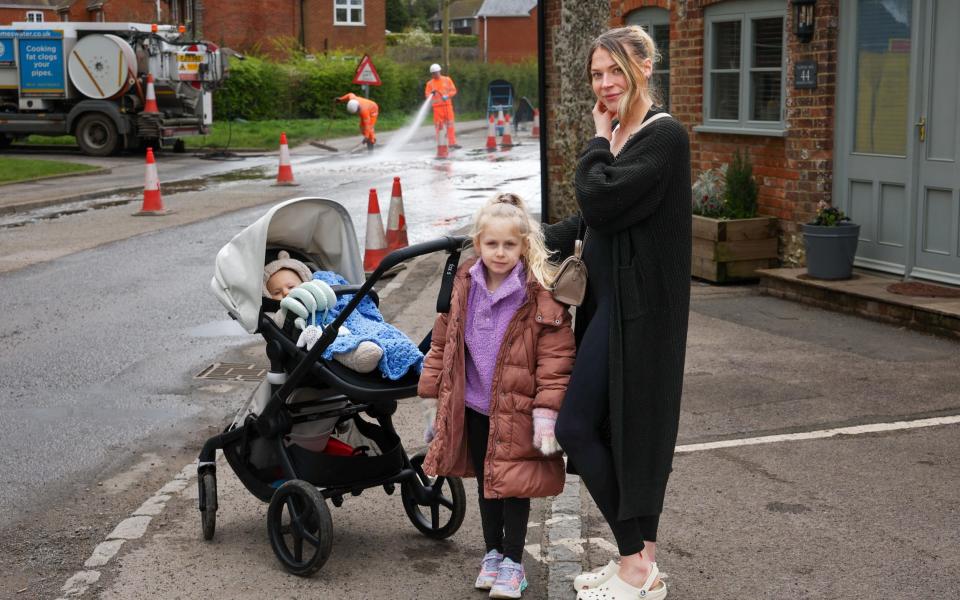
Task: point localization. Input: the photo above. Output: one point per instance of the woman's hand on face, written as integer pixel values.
(603, 120)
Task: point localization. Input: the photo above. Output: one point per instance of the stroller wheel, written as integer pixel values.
(437, 508)
(300, 528)
(208, 493)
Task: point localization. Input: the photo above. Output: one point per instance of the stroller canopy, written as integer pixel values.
(317, 227)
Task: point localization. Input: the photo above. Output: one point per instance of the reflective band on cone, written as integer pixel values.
(152, 201)
(442, 150)
(150, 104)
(507, 141)
(285, 173)
(500, 122)
(491, 136)
(396, 220)
(536, 123)
(376, 243)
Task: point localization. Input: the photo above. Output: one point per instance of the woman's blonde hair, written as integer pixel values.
(629, 47)
(512, 208)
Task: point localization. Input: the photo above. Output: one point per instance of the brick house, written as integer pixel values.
(31, 11)
(508, 30)
(864, 114)
(463, 17)
(318, 25)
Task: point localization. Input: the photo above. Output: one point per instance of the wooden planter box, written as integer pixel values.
(733, 250)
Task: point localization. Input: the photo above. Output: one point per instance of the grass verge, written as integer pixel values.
(265, 135)
(20, 169)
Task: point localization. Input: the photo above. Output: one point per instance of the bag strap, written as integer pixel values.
(446, 284)
(659, 115)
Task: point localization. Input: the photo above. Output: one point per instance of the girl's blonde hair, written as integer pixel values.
(629, 47)
(512, 208)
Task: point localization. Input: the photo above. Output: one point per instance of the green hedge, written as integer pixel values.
(457, 40)
(259, 89)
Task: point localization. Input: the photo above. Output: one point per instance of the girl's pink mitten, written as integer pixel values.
(544, 421)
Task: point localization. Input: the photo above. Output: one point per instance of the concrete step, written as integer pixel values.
(866, 295)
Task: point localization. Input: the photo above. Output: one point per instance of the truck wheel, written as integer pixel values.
(97, 135)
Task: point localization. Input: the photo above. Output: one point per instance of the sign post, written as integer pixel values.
(366, 75)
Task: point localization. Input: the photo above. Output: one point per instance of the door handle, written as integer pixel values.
(922, 128)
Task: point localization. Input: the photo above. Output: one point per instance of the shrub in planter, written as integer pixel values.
(830, 242)
(730, 242)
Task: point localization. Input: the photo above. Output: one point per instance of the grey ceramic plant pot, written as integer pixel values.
(830, 250)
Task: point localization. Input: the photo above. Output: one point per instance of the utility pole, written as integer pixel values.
(445, 34)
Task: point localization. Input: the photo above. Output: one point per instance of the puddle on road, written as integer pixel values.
(226, 328)
(244, 175)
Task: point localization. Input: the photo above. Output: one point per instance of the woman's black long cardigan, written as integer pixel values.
(642, 199)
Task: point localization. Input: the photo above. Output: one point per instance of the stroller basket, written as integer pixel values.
(328, 470)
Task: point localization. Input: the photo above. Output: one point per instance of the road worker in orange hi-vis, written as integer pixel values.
(440, 90)
(368, 111)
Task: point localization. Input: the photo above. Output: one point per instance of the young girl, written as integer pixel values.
(499, 364)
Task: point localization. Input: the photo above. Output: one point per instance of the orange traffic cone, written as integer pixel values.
(152, 201)
(500, 122)
(150, 106)
(285, 173)
(491, 136)
(535, 132)
(507, 141)
(396, 220)
(442, 150)
(376, 243)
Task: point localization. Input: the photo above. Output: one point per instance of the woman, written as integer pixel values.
(619, 419)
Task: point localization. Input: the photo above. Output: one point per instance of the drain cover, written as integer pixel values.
(233, 372)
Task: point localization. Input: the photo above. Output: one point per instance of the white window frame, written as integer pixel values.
(746, 12)
(647, 18)
(37, 16)
(349, 6)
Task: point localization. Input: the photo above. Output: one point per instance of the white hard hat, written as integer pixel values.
(353, 106)
(435, 68)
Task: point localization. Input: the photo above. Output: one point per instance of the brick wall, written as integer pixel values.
(19, 14)
(248, 25)
(323, 35)
(794, 172)
(509, 39)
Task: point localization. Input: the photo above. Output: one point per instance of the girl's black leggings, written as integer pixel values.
(580, 428)
(505, 520)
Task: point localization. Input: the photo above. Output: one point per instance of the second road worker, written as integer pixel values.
(368, 111)
(440, 90)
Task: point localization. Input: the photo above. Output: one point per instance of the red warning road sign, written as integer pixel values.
(366, 73)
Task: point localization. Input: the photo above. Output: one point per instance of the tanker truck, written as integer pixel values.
(89, 80)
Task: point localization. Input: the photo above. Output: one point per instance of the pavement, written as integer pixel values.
(816, 459)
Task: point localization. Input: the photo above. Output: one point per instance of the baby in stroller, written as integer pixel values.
(285, 274)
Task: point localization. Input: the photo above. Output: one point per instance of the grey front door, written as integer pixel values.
(897, 160)
(938, 148)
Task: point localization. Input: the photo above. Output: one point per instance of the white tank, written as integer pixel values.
(102, 66)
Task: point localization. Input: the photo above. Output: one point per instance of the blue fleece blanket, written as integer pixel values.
(367, 324)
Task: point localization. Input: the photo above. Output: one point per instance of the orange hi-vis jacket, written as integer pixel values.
(444, 87)
(368, 111)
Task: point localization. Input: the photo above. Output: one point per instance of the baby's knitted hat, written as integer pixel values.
(285, 262)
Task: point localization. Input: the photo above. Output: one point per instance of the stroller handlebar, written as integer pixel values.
(448, 243)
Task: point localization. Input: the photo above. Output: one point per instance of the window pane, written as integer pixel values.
(883, 76)
(356, 15)
(339, 3)
(726, 45)
(765, 103)
(341, 15)
(661, 37)
(768, 42)
(356, 3)
(725, 96)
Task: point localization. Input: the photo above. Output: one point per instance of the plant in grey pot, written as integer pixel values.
(831, 243)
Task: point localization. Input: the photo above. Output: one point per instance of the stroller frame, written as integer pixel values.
(297, 507)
